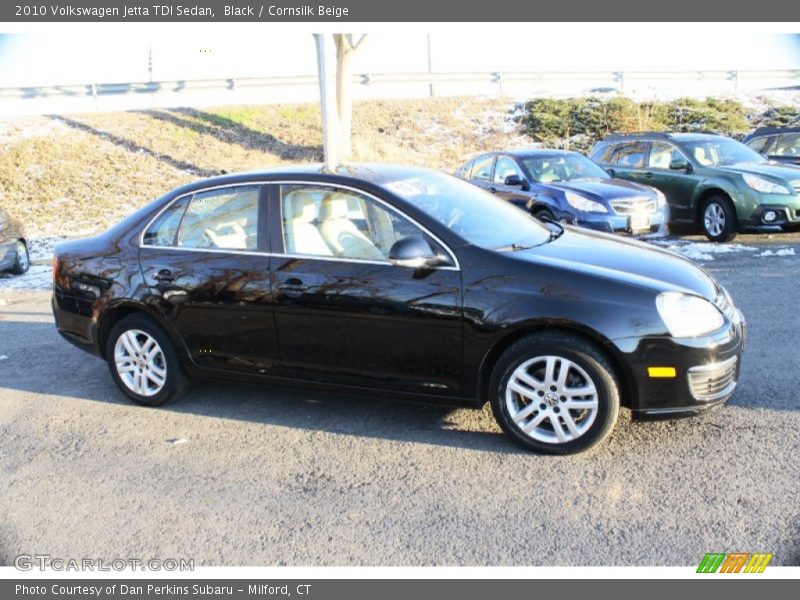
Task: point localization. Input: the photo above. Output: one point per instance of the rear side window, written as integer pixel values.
(602, 152)
(759, 144)
(164, 229)
(483, 168)
(224, 219)
(465, 171)
(629, 155)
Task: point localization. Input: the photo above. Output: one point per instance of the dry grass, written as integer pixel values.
(78, 174)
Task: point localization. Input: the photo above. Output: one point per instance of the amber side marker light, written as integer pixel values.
(661, 372)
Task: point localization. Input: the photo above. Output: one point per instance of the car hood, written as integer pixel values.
(772, 168)
(629, 261)
(603, 189)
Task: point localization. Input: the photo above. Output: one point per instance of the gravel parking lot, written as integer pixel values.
(242, 475)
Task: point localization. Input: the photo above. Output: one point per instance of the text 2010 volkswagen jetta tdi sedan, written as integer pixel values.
(402, 282)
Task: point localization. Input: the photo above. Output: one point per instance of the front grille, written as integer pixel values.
(629, 206)
(713, 382)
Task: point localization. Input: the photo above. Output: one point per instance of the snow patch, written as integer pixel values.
(781, 252)
(37, 278)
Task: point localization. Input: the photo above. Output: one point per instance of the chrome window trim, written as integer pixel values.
(456, 267)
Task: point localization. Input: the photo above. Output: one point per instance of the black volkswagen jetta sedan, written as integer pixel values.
(399, 282)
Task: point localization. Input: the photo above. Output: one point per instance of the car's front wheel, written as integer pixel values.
(143, 362)
(718, 219)
(22, 262)
(555, 392)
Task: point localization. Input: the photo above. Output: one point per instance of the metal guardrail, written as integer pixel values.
(619, 78)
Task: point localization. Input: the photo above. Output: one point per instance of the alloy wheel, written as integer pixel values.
(714, 219)
(551, 399)
(140, 362)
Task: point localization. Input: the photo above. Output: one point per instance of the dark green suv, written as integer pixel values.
(708, 179)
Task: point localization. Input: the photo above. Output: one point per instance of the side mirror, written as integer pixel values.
(514, 180)
(680, 164)
(611, 172)
(414, 251)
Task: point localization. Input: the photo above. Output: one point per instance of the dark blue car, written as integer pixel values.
(566, 186)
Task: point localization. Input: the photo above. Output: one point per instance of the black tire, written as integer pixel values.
(578, 351)
(23, 261)
(791, 227)
(175, 382)
(720, 207)
(544, 214)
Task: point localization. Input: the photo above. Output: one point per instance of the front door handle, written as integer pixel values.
(493, 190)
(292, 286)
(164, 276)
(647, 175)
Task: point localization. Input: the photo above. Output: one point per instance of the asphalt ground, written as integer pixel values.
(247, 475)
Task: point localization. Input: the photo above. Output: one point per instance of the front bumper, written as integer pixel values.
(706, 371)
(617, 223)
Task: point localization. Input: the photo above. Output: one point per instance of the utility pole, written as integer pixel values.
(430, 65)
(327, 94)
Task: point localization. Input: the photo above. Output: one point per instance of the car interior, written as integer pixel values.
(322, 222)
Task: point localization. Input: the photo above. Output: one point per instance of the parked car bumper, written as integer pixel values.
(705, 371)
(616, 223)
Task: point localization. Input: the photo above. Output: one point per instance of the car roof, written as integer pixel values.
(527, 153)
(376, 174)
(772, 131)
(662, 135)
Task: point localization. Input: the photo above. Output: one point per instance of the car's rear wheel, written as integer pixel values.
(23, 262)
(143, 362)
(718, 219)
(555, 392)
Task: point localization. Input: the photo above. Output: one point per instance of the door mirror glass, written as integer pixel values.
(514, 180)
(679, 164)
(414, 251)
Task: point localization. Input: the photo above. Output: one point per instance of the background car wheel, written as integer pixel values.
(555, 393)
(718, 219)
(544, 214)
(144, 363)
(23, 261)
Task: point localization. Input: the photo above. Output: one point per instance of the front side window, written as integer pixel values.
(787, 145)
(630, 155)
(225, 219)
(662, 155)
(466, 170)
(333, 222)
(553, 168)
(505, 167)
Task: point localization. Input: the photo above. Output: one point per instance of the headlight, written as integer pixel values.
(661, 199)
(764, 186)
(579, 202)
(688, 316)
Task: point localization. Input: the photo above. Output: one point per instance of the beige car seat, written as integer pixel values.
(302, 237)
(341, 234)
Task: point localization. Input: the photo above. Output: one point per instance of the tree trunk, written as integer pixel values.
(344, 97)
(330, 117)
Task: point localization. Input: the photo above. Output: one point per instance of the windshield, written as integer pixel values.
(474, 214)
(562, 167)
(716, 152)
